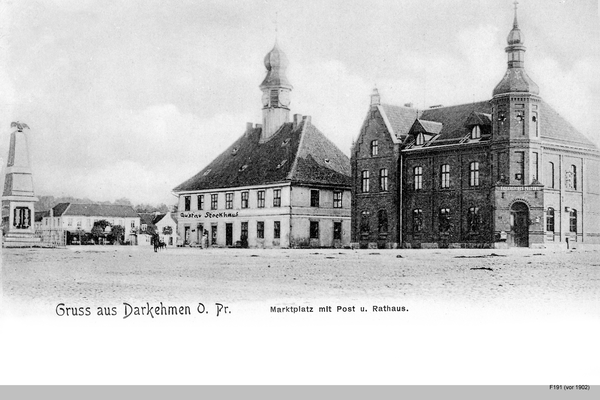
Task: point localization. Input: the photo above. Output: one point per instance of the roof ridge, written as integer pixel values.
(300, 144)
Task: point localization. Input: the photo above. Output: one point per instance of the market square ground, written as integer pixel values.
(524, 281)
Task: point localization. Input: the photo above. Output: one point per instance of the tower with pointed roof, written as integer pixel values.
(516, 116)
(276, 90)
(505, 172)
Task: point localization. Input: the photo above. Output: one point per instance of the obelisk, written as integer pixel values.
(18, 196)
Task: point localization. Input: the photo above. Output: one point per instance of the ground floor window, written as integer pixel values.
(276, 230)
(337, 231)
(550, 220)
(213, 234)
(314, 229)
(444, 219)
(473, 219)
(260, 230)
(417, 222)
(383, 221)
(573, 221)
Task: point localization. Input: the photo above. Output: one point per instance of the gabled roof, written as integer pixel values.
(401, 119)
(454, 118)
(40, 215)
(554, 126)
(298, 154)
(429, 127)
(94, 210)
(478, 118)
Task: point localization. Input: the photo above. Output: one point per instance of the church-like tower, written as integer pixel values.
(516, 117)
(276, 93)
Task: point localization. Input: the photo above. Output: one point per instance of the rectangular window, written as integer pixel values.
(445, 170)
(573, 221)
(417, 222)
(245, 196)
(337, 199)
(552, 175)
(383, 180)
(277, 198)
(187, 201)
(418, 178)
(365, 181)
(314, 229)
(70, 222)
(200, 202)
(550, 219)
(244, 233)
(260, 229)
(314, 198)
(260, 199)
(132, 223)
(574, 175)
(374, 148)
(229, 200)
(337, 231)
(474, 174)
(520, 166)
(444, 220)
(274, 98)
(214, 201)
(276, 230)
(535, 170)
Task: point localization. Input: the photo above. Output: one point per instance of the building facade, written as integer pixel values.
(281, 184)
(509, 171)
(71, 219)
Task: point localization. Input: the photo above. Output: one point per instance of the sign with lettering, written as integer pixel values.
(209, 214)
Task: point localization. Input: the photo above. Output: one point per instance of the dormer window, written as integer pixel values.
(206, 172)
(420, 139)
(243, 167)
(281, 164)
(234, 151)
(476, 132)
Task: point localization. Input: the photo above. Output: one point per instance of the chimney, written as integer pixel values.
(306, 119)
(297, 120)
(248, 126)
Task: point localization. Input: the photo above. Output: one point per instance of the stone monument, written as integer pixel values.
(18, 197)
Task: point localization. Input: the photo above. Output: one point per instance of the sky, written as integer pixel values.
(131, 98)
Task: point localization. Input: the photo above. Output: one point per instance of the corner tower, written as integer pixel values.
(276, 93)
(516, 109)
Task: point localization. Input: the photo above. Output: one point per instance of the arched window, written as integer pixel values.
(574, 172)
(365, 226)
(473, 219)
(476, 132)
(444, 220)
(550, 219)
(365, 181)
(551, 177)
(383, 180)
(474, 174)
(418, 178)
(445, 170)
(383, 221)
(417, 222)
(420, 139)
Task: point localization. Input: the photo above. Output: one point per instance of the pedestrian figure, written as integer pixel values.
(205, 239)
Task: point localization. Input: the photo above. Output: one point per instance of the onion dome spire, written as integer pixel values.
(516, 79)
(276, 64)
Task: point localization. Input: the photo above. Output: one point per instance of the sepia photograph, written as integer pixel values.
(274, 192)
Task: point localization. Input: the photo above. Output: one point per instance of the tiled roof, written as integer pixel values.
(401, 118)
(554, 126)
(94, 210)
(430, 127)
(301, 155)
(454, 118)
(40, 215)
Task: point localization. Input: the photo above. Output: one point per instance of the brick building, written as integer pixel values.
(509, 171)
(281, 184)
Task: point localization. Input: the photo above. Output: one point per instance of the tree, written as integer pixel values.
(117, 234)
(99, 229)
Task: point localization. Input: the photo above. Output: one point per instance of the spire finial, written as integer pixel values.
(515, 23)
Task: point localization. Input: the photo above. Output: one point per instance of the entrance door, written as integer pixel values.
(213, 235)
(228, 234)
(199, 233)
(519, 215)
(186, 235)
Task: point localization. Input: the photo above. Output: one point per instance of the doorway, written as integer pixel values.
(228, 234)
(519, 218)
